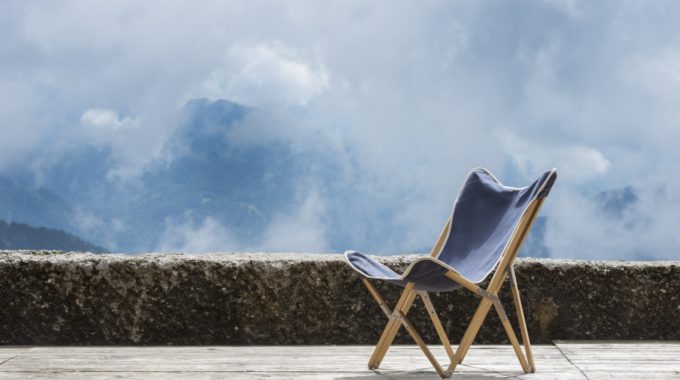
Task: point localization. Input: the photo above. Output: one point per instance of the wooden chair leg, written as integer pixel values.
(470, 333)
(395, 327)
(437, 324)
(423, 346)
(377, 297)
(522, 322)
(411, 329)
(392, 327)
(526, 361)
(373, 362)
(511, 335)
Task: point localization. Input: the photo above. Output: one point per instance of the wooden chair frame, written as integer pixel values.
(397, 316)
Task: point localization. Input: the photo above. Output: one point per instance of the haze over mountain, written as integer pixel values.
(299, 126)
(214, 194)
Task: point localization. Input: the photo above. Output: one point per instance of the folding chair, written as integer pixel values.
(483, 235)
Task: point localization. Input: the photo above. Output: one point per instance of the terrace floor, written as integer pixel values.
(564, 360)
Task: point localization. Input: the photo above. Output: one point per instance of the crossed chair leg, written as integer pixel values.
(397, 318)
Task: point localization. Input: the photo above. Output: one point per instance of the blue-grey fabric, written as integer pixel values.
(484, 217)
(371, 268)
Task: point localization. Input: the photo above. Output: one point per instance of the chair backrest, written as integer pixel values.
(485, 217)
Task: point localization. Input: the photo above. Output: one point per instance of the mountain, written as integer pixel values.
(241, 187)
(24, 236)
(213, 173)
(22, 202)
(614, 203)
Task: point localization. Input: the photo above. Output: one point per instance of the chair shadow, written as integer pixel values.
(395, 375)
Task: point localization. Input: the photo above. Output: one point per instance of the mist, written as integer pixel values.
(342, 126)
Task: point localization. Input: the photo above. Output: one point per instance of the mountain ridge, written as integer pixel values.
(24, 236)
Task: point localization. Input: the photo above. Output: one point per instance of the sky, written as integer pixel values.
(399, 99)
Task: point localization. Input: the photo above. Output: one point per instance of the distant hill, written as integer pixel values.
(244, 184)
(24, 236)
(241, 186)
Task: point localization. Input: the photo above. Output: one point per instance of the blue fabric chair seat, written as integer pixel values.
(427, 273)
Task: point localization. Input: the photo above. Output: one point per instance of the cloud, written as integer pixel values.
(573, 8)
(134, 144)
(303, 230)
(25, 120)
(299, 230)
(394, 104)
(106, 229)
(264, 75)
(579, 227)
(188, 236)
(106, 121)
(576, 163)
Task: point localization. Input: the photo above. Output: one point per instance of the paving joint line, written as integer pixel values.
(6, 360)
(570, 362)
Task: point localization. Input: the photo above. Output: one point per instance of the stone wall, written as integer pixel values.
(52, 298)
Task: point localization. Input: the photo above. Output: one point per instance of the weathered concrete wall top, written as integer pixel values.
(77, 298)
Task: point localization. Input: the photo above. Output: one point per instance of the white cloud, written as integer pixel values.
(576, 163)
(404, 97)
(106, 229)
(190, 237)
(24, 121)
(264, 75)
(134, 144)
(577, 227)
(302, 231)
(299, 230)
(106, 121)
(87, 221)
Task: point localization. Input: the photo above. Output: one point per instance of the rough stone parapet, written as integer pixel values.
(54, 298)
